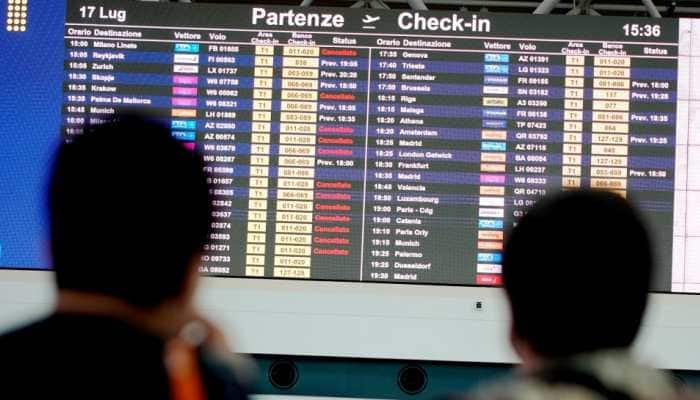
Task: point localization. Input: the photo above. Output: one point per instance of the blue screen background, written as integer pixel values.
(31, 75)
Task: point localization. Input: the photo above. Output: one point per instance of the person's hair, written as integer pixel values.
(129, 210)
(577, 269)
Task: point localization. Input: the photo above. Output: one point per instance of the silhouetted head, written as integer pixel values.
(577, 270)
(130, 211)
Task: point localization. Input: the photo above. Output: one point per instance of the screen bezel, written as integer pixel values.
(396, 321)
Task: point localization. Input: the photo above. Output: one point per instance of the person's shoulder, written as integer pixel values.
(20, 349)
(17, 338)
(223, 376)
(529, 389)
(75, 356)
(592, 377)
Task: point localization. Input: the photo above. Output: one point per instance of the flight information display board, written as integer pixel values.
(393, 146)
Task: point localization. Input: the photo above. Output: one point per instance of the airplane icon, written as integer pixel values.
(368, 19)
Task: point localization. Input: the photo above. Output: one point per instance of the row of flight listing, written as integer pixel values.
(387, 165)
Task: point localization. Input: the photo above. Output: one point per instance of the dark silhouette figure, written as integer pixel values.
(577, 271)
(130, 212)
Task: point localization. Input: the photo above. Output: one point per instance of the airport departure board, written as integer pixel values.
(390, 146)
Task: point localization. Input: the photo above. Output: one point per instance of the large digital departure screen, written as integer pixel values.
(396, 146)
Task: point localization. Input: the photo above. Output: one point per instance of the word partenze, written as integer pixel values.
(292, 18)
